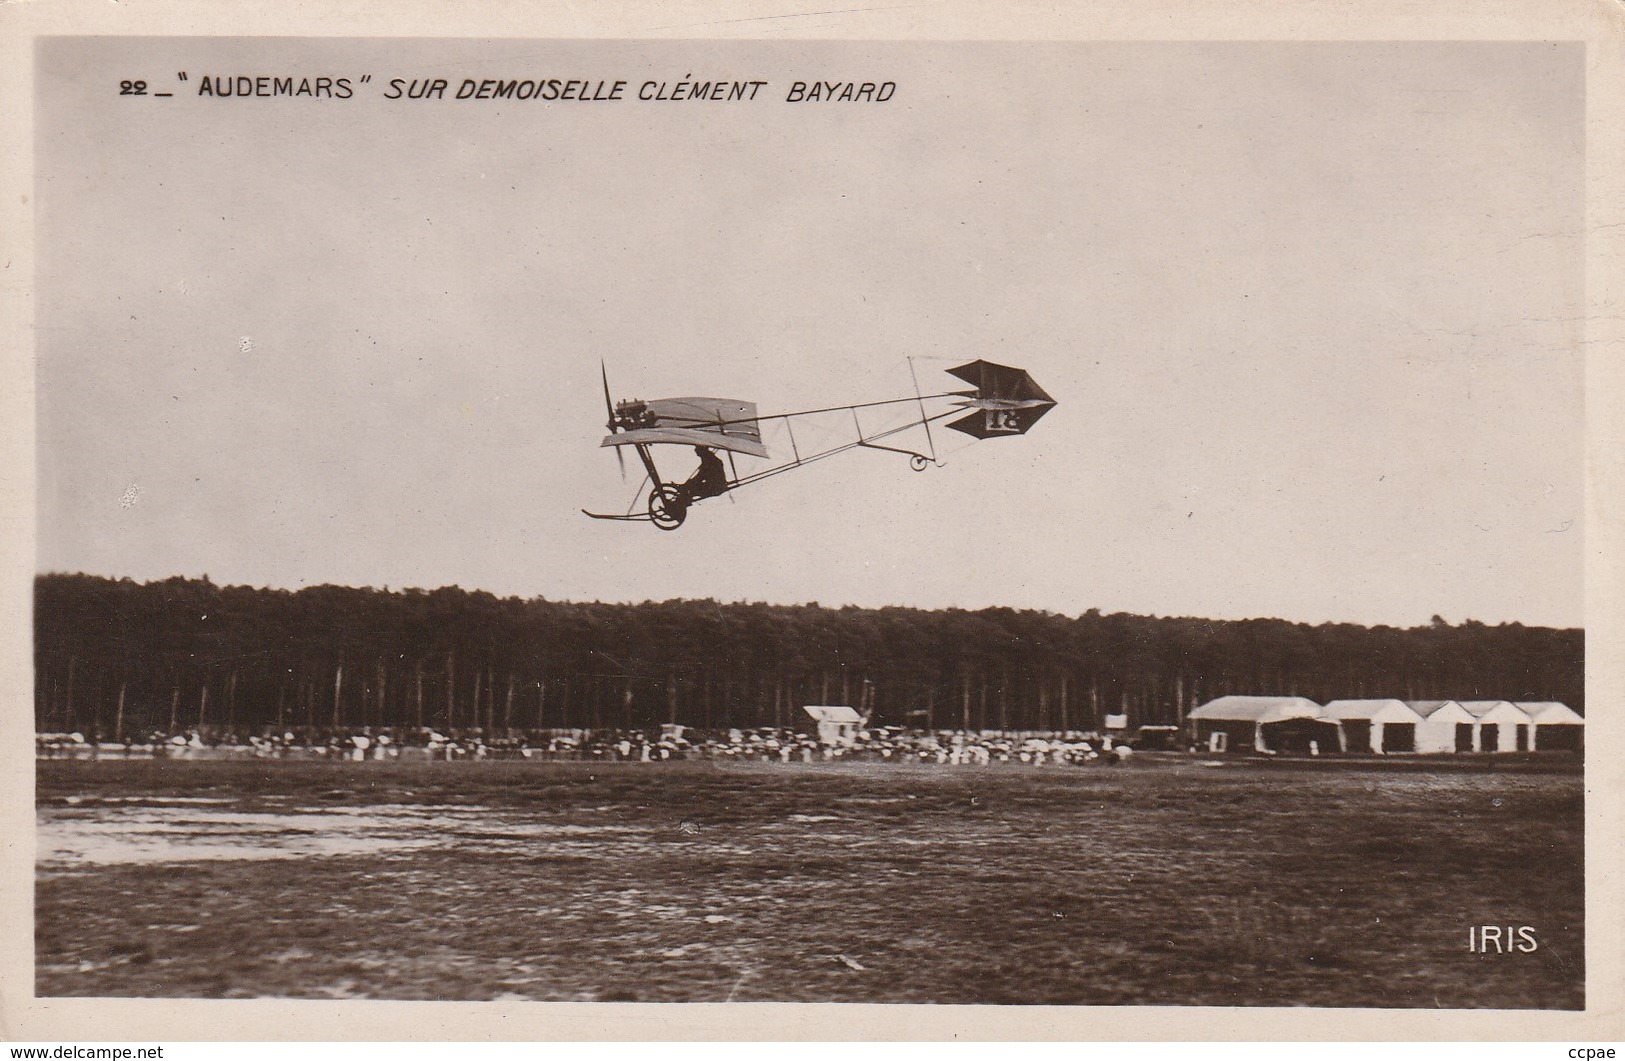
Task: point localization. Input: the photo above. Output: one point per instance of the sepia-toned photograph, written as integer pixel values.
(999, 523)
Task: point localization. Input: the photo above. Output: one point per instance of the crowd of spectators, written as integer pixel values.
(887, 744)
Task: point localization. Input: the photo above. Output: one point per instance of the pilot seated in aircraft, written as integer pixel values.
(709, 479)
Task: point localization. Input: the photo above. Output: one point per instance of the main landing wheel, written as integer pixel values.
(667, 507)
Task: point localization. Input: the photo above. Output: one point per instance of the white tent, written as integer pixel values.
(1499, 726)
(1446, 726)
(1229, 721)
(1556, 725)
(1374, 725)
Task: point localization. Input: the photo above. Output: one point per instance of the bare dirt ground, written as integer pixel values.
(1162, 882)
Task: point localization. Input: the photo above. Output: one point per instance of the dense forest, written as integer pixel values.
(118, 656)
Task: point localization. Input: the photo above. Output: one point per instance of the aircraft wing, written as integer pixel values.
(716, 423)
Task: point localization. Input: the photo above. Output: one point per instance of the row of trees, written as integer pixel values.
(115, 656)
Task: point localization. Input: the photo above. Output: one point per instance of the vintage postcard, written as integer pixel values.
(924, 523)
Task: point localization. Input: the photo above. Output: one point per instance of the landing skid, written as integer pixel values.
(668, 508)
(639, 517)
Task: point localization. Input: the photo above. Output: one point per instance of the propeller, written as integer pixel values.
(614, 421)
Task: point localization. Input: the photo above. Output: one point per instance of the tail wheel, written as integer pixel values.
(668, 507)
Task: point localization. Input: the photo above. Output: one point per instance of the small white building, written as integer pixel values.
(1379, 726)
(1498, 726)
(1445, 727)
(1557, 726)
(837, 724)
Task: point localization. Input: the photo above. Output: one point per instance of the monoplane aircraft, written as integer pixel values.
(1004, 401)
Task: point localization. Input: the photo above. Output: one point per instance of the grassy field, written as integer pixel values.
(1163, 882)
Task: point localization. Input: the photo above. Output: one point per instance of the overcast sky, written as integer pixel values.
(1310, 312)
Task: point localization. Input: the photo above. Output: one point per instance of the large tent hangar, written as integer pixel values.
(1499, 726)
(1558, 727)
(1262, 723)
(1373, 725)
(1445, 727)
